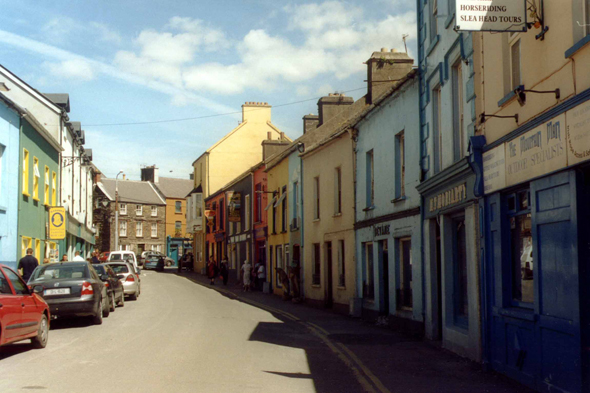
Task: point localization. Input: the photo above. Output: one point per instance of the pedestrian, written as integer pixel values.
(95, 257)
(211, 270)
(261, 275)
(64, 258)
(77, 257)
(27, 264)
(224, 270)
(46, 261)
(247, 271)
(255, 275)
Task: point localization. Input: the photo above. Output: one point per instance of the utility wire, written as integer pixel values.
(206, 116)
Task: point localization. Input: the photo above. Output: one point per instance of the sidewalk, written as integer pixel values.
(388, 361)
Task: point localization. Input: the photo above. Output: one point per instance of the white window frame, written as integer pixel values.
(139, 210)
(123, 209)
(247, 212)
(123, 228)
(138, 229)
(154, 211)
(514, 39)
(154, 229)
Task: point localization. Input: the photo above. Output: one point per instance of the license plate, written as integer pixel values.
(57, 291)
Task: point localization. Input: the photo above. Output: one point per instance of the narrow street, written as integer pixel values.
(180, 336)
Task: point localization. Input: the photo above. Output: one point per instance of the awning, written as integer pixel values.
(281, 199)
(271, 203)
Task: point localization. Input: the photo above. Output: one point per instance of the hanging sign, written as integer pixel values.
(491, 15)
(494, 169)
(57, 223)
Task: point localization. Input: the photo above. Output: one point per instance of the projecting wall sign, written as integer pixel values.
(491, 15)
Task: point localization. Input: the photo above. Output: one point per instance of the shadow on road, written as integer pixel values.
(16, 349)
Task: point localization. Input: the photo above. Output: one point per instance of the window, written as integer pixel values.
(284, 210)
(458, 130)
(178, 207)
(515, 79)
(400, 165)
(123, 228)
(19, 287)
(123, 209)
(316, 264)
(274, 215)
(4, 287)
(139, 229)
(286, 260)
(295, 203)
(436, 129)
(452, 7)
(433, 19)
(279, 259)
(53, 252)
(370, 180)
(38, 250)
(36, 176)
(521, 248)
(405, 269)
(198, 204)
(461, 299)
(178, 228)
(221, 218)
(258, 202)
(53, 189)
(247, 213)
(138, 210)
(270, 258)
(316, 198)
(154, 229)
(337, 191)
(46, 200)
(341, 265)
(587, 16)
(26, 172)
(26, 243)
(369, 283)
(154, 211)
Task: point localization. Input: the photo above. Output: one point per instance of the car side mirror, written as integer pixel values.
(104, 277)
(38, 289)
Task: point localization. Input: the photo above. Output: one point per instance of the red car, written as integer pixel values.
(104, 256)
(23, 313)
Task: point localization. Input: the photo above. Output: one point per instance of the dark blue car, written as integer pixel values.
(154, 262)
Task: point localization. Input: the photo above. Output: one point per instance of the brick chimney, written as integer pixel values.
(310, 122)
(383, 69)
(150, 173)
(331, 105)
(256, 112)
(273, 146)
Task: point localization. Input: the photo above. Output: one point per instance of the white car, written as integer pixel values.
(127, 256)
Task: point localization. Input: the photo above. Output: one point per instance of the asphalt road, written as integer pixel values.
(178, 337)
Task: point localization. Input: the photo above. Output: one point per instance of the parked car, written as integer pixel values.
(129, 277)
(23, 313)
(167, 260)
(126, 256)
(104, 256)
(154, 262)
(71, 289)
(115, 291)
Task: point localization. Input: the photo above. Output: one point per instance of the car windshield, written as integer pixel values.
(115, 256)
(120, 268)
(99, 269)
(52, 272)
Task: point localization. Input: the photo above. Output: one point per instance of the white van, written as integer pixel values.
(127, 256)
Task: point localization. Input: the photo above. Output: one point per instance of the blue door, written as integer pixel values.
(531, 278)
(174, 253)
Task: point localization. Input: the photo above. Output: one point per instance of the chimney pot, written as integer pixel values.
(269, 135)
(384, 50)
(393, 50)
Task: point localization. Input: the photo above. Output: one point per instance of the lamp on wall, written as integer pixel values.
(300, 147)
(483, 116)
(520, 93)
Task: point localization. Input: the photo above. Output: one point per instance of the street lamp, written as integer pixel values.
(117, 211)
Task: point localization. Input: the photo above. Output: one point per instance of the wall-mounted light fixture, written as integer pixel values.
(483, 116)
(300, 147)
(521, 94)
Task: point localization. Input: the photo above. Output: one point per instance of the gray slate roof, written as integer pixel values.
(174, 188)
(59, 99)
(132, 191)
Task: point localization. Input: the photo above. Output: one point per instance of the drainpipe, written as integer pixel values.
(302, 242)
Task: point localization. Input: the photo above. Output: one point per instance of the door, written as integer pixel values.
(10, 311)
(29, 312)
(174, 253)
(329, 296)
(384, 264)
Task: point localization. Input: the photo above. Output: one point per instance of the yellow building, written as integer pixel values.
(535, 194)
(225, 160)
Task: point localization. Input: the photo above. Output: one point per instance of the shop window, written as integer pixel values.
(247, 213)
(405, 300)
(460, 298)
(521, 249)
(368, 282)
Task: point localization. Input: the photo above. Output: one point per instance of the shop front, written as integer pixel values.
(537, 186)
(451, 260)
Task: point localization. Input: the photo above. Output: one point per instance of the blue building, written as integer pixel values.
(9, 177)
(387, 223)
(450, 209)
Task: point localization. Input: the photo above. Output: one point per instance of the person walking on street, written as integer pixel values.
(211, 270)
(77, 257)
(27, 264)
(247, 269)
(224, 269)
(261, 276)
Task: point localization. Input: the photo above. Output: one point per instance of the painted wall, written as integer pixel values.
(172, 216)
(278, 176)
(9, 181)
(331, 226)
(295, 204)
(33, 215)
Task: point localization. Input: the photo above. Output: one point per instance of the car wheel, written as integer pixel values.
(112, 303)
(42, 334)
(97, 318)
(133, 297)
(122, 300)
(106, 311)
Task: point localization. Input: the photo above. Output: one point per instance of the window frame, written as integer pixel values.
(139, 210)
(36, 177)
(122, 228)
(178, 207)
(25, 173)
(278, 254)
(154, 229)
(513, 40)
(123, 209)
(370, 179)
(317, 264)
(284, 211)
(138, 229)
(433, 19)
(338, 190)
(341, 263)
(437, 128)
(316, 198)
(26, 242)
(46, 198)
(369, 270)
(247, 212)
(403, 267)
(53, 188)
(154, 211)
(400, 164)
(459, 150)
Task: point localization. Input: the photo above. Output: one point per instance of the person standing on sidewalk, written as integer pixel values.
(247, 271)
(261, 276)
(224, 270)
(211, 270)
(27, 264)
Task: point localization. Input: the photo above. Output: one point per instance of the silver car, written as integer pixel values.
(129, 277)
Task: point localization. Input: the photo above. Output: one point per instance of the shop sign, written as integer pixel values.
(578, 134)
(494, 169)
(537, 152)
(57, 223)
(234, 199)
(450, 197)
(381, 230)
(491, 15)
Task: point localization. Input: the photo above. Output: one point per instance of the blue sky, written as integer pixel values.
(129, 61)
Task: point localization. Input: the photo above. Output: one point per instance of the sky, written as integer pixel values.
(185, 67)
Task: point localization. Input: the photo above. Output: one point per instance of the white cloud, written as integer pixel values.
(303, 91)
(319, 17)
(324, 90)
(77, 69)
(63, 29)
